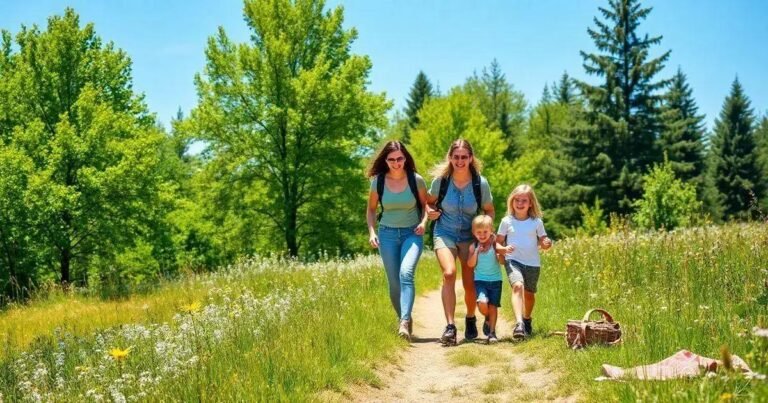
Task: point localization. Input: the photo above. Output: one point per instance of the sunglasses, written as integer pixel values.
(459, 157)
(393, 160)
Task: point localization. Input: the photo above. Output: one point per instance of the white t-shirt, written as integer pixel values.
(524, 236)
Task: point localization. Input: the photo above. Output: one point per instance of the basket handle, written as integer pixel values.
(605, 314)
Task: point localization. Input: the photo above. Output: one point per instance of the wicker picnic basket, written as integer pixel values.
(585, 332)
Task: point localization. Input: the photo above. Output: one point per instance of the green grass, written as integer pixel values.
(260, 330)
(696, 289)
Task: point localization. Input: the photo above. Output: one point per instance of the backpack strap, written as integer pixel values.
(415, 190)
(443, 191)
(476, 189)
(380, 190)
(438, 204)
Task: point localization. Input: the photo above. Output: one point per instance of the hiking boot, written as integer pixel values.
(528, 326)
(492, 339)
(404, 330)
(486, 327)
(519, 332)
(470, 329)
(449, 336)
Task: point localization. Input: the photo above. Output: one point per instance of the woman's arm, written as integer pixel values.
(423, 199)
(373, 203)
(489, 209)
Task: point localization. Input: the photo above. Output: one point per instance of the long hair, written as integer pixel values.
(444, 169)
(534, 211)
(379, 163)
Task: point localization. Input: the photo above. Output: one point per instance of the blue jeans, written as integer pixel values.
(400, 250)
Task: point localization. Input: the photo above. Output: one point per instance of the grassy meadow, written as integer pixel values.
(267, 329)
(262, 329)
(697, 289)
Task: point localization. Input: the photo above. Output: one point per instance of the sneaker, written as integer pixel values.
(404, 330)
(519, 332)
(470, 330)
(492, 339)
(486, 327)
(528, 326)
(449, 336)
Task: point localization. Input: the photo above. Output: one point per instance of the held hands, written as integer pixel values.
(546, 243)
(433, 214)
(509, 248)
(419, 230)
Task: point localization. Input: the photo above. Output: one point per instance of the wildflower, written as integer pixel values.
(119, 354)
(194, 307)
(760, 332)
(726, 397)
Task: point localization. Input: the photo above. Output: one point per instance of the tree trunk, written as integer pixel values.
(66, 257)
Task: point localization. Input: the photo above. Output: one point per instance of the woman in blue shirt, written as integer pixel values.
(455, 197)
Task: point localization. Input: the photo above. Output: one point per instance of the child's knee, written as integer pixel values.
(518, 287)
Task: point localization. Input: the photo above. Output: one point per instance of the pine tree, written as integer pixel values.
(623, 110)
(564, 91)
(421, 90)
(737, 174)
(503, 107)
(682, 138)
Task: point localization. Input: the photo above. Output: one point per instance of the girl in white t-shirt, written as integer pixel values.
(520, 235)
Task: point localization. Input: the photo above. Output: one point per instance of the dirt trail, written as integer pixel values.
(472, 370)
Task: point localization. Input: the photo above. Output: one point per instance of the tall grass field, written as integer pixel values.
(263, 329)
(267, 329)
(701, 289)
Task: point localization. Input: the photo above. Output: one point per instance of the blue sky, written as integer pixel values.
(535, 41)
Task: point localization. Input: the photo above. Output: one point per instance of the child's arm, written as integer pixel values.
(472, 259)
(544, 242)
(501, 246)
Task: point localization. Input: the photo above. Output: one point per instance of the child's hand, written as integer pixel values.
(419, 230)
(546, 243)
(509, 248)
(433, 214)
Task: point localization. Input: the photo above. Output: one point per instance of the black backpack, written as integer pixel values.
(444, 189)
(411, 184)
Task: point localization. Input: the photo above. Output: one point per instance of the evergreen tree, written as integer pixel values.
(421, 90)
(737, 174)
(565, 90)
(503, 106)
(623, 110)
(682, 137)
(761, 138)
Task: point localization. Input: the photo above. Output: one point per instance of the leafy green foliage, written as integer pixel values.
(285, 117)
(667, 201)
(85, 149)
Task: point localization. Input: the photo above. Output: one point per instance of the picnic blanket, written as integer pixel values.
(682, 364)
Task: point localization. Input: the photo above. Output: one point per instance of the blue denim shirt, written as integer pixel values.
(458, 208)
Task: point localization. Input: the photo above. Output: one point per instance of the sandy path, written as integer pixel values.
(428, 371)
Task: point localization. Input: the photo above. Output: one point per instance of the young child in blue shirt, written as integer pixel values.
(484, 260)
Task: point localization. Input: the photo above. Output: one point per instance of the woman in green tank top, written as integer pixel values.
(402, 194)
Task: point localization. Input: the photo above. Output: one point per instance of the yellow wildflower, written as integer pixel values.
(191, 308)
(726, 397)
(119, 354)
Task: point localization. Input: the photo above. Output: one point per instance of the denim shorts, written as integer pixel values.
(489, 292)
(521, 273)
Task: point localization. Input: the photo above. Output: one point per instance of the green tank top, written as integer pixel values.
(399, 208)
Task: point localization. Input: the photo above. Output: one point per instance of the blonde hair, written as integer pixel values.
(482, 221)
(445, 169)
(534, 211)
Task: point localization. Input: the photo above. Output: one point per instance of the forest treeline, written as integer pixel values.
(95, 192)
